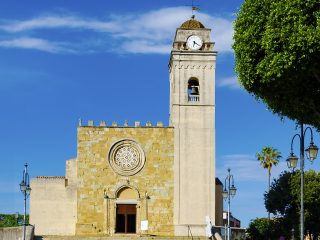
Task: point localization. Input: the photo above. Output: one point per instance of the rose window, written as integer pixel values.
(126, 157)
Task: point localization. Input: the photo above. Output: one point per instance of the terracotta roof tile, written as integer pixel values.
(192, 24)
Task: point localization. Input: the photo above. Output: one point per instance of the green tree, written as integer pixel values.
(268, 158)
(277, 53)
(283, 200)
(264, 229)
(9, 220)
(258, 229)
(311, 199)
(280, 202)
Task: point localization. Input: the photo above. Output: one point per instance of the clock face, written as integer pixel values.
(194, 42)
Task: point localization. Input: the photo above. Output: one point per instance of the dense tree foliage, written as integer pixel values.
(311, 199)
(283, 200)
(277, 51)
(9, 220)
(265, 229)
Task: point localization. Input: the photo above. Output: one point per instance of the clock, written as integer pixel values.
(194, 42)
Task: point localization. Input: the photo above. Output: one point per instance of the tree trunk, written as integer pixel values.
(269, 176)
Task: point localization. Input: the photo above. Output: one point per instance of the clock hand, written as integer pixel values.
(194, 42)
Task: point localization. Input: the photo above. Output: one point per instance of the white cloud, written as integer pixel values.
(56, 22)
(230, 82)
(34, 43)
(151, 32)
(247, 168)
(145, 47)
(222, 32)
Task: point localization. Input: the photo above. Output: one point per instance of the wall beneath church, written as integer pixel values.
(53, 203)
(99, 184)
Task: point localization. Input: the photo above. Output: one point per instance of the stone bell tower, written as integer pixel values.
(192, 114)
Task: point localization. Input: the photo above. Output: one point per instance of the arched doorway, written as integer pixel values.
(126, 210)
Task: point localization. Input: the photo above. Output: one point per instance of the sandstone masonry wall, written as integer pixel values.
(98, 184)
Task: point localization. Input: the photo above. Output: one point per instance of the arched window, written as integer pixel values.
(193, 90)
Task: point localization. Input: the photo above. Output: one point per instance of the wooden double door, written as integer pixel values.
(126, 218)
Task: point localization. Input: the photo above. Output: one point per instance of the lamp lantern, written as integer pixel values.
(233, 190)
(225, 194)
(312, 152)
(292, 161)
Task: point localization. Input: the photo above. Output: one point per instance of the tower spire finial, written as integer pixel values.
(194, 8)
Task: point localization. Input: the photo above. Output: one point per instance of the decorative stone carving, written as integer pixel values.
(159, 124)
(126, 157)
(137, 124)
(102, 124)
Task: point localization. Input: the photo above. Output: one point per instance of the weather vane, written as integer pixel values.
(194, 8)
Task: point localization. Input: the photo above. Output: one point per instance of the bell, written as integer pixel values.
(194, 90)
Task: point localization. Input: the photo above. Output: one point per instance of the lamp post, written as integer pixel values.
(16, 217)
(227, 193)
(292, 161)
(25, 189)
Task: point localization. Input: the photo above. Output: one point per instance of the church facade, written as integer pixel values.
(157, 180)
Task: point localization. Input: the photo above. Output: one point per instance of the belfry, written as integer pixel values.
(145, 178)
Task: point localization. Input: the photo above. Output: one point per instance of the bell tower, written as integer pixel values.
(192, 114)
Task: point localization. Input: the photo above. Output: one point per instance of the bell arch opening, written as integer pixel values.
(193, 90)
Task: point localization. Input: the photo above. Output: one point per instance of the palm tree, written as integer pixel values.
(269, 157)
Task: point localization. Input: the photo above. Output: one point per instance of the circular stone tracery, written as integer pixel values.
(126, 157)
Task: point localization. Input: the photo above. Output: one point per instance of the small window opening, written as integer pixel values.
(193, 90)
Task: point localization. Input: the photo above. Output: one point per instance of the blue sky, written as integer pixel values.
(65, 60)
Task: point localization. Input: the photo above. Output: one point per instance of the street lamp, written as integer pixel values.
(292, 161)
(25, 189)
(231, 191)
(17, 217)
